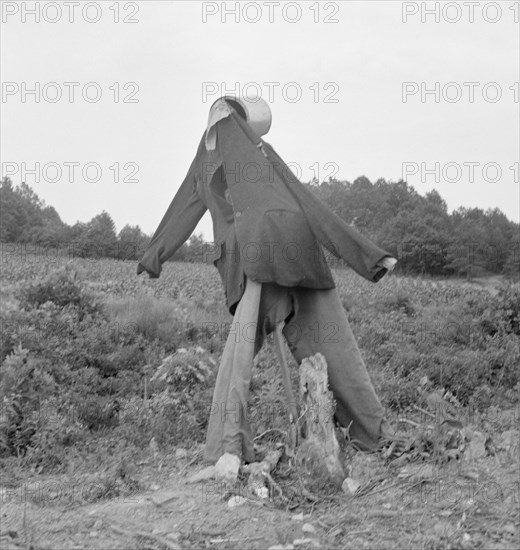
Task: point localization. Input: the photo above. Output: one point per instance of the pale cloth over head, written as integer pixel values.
(221, 109)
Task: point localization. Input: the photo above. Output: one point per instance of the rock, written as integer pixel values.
(236, 501)
(297, 517)
(226, 468)
(204, 475)
(308, 528)
(350, 485)
(476, 448)
(509, 529)
(261, 492)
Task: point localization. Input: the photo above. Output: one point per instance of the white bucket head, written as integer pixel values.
(256, 112)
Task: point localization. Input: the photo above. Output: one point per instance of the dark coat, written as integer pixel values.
(266, 224)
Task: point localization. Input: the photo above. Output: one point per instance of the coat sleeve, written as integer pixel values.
(179, 221)
(342, 240)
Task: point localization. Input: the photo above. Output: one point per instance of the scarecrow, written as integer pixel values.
(269, 230)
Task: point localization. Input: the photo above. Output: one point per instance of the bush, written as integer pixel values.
(172, 418)
(62, 287)
(503, 312)
(53, 430)
(153, 319)
(186, 371)
(117, 364)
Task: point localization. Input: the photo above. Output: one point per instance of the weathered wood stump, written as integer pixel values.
(318, 452)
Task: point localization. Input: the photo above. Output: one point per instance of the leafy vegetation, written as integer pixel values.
(88, 348)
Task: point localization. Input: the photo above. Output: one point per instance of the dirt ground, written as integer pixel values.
(473, 503)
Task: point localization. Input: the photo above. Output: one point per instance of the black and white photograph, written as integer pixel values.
(260, 275)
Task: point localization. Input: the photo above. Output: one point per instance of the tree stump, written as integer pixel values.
(318, 452)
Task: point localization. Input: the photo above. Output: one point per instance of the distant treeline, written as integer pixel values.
(419, 231)
(416, 229)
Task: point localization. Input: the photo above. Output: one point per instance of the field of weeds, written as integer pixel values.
(106, 382)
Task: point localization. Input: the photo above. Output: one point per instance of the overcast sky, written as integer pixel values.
(352, 117)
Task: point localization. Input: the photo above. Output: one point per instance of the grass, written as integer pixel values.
(128, 384)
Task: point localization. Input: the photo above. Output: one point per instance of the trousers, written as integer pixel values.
(314, 321)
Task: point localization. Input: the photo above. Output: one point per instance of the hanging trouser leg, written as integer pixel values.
(320, 325)
(228, 428)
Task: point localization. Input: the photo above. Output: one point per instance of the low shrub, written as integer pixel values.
(63, 287)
